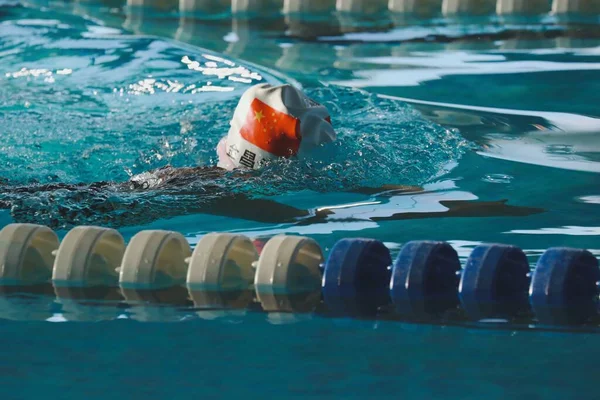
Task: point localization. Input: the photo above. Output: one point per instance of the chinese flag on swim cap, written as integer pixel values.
(272, 122)
(273, 131)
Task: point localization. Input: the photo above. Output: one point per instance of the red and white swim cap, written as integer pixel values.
(273, 121)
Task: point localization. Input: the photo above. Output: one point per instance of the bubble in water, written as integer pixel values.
(497, 178)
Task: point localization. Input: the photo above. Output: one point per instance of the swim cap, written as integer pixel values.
(273, 121)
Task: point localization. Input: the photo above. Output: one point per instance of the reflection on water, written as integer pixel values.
(574, 151)
(213, 304)
(89, 304)
(26, 303)
(240, 307)
(93, 304)
(563, 141)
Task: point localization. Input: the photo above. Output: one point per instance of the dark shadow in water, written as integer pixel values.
(192, 191)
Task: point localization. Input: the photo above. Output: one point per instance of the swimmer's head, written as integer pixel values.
(270, 122)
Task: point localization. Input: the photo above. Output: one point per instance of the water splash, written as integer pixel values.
(120, 105)
(379, 142)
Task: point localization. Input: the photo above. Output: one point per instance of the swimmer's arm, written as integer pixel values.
(167, 177)
(184, 178)
(138, 203)
(180, 177)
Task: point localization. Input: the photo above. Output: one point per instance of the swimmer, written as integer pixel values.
(269, 122)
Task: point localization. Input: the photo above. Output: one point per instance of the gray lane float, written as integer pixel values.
(589, 7)
(362, 6)
(289, 264)
(417, 7)
(522, 7)
(308, 6)
(222, 261)
(468, 7)
(89, 256)
(155, 259)
(255, 6)
(26, 253)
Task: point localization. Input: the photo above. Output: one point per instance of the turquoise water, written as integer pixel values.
(496, 118)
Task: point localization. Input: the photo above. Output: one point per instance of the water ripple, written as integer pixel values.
(88, 104)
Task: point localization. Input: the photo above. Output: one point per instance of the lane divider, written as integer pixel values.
(358, 277)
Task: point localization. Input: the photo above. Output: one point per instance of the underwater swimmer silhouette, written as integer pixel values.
(269, 122)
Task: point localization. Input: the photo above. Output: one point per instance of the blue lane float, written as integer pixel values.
(425, 279)
(564, 286)
(357, 275)
(494, 282)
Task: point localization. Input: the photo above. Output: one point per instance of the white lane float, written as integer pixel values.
(140, 14)
(416, 7)
(155, 259)
(255, 6)
(362, 6)
(26, 254)
(591, 7)
(89, 256)
(468, 7)
(521, 7)
(562, 150)
(308, 6)
(222, 269)
(289, 264)
(222, 261)
(288, 278)
(307, 18)
(203, 7)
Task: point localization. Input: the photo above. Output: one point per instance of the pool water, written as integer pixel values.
(496, 118)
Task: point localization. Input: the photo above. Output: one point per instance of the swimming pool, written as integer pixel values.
(472, 108)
